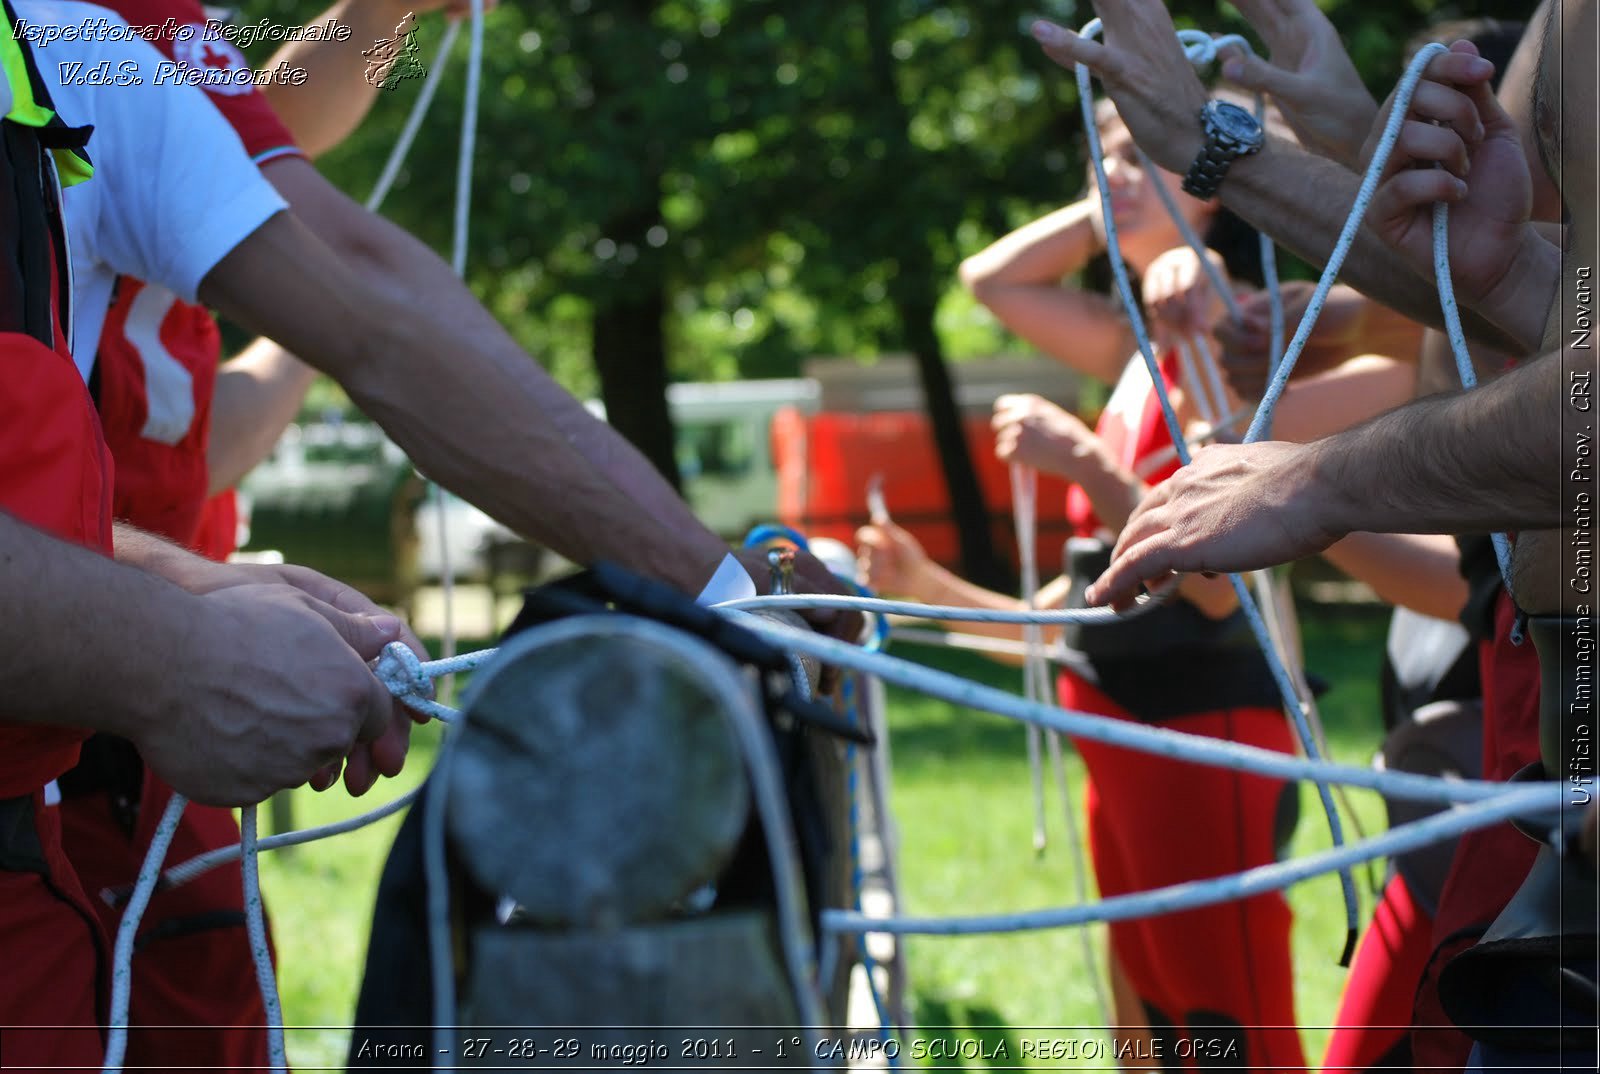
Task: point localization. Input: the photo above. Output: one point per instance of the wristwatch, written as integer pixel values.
(1231, 132)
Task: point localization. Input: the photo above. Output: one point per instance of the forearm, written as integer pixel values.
(1463, 462)
(1287, 193)
(1042, 251)
(1415, 571)
(257, 394)
(934, 584)
(420, 357)
(89, 642)
(335, 94)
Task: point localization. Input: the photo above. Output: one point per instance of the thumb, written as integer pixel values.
(366, 634)
(1254, 73)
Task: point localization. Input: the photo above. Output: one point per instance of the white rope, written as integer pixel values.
(1036, 688)
(128, 930)
(408, 133)
(1520, 800)
(954, 613)
(255, 922)
(977, 643)
(1024, 491)
(1160, 741)
(1201, 48)
(201, 864)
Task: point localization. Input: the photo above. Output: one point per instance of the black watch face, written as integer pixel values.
(1234, 121)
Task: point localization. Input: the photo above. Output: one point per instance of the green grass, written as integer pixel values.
(963, 804)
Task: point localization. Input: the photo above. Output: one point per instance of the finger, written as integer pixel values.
(1461, 66)
(1145, 519)
(1429, 144)
(366, 634)
(1254, 73)
(1068, 49)
(376, 711)
(1148, 561)
(1416, 188)
(358, 772)
(325, 777)
(389, 751)
(1451, 107)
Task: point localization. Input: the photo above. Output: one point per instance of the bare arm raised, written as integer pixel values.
(1019, 278)
(1302, 200)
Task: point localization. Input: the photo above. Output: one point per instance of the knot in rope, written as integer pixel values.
(401, 673)
(411, 682)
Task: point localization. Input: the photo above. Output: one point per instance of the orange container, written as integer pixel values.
(825, 463)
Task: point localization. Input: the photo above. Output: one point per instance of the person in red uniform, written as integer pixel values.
(83, 633)
(1493, 458)
(156, 377)
(1217, 975)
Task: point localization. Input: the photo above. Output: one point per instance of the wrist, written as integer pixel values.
(1518, 302)
(1319, 492)
(1183, 138)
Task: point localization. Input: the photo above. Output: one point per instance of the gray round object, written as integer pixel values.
(597, 781)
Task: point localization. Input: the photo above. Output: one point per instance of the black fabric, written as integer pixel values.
(1220, 1042)
(20, 850)
(1481, 570)
(396, 989)
(110, 766)
(1531, 981)
(395, 1003)
(187, 926)
(1424, 663)
(1205, 663)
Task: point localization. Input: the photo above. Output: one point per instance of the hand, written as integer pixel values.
(278, 687)
(1144, 71)
(891, 561)
(1035, 432)
(385, 755)
(1246, 344)
(1484, 175)
(811, 575)
(1234, 508)
(1179, 295)
(1309, 75)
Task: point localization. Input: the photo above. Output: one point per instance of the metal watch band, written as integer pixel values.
(1204, 177)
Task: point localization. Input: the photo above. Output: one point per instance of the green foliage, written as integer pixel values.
(778, 168)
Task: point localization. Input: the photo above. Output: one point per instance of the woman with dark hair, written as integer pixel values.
(1213, 986)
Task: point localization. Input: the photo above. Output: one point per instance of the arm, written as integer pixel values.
(1469, 462)
(892, 562)
(1035, 432)
(257, 394)
(1344, 396)
(1019, 277)
(423, 359)
(1416, 571)
(230, 697)
(335, 96)
(1499, 264)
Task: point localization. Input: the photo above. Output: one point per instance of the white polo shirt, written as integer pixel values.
(173, 191)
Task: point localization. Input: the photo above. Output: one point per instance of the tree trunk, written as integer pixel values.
(630, 354)
(979, 561)
(914, 293)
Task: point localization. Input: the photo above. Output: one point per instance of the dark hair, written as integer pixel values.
(1237, 242)
(1496, 40)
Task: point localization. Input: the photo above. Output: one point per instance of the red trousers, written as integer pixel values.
(54, 961)
(1204, 973)
(1374, 1024)
(192, 970)
(1491, 863)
